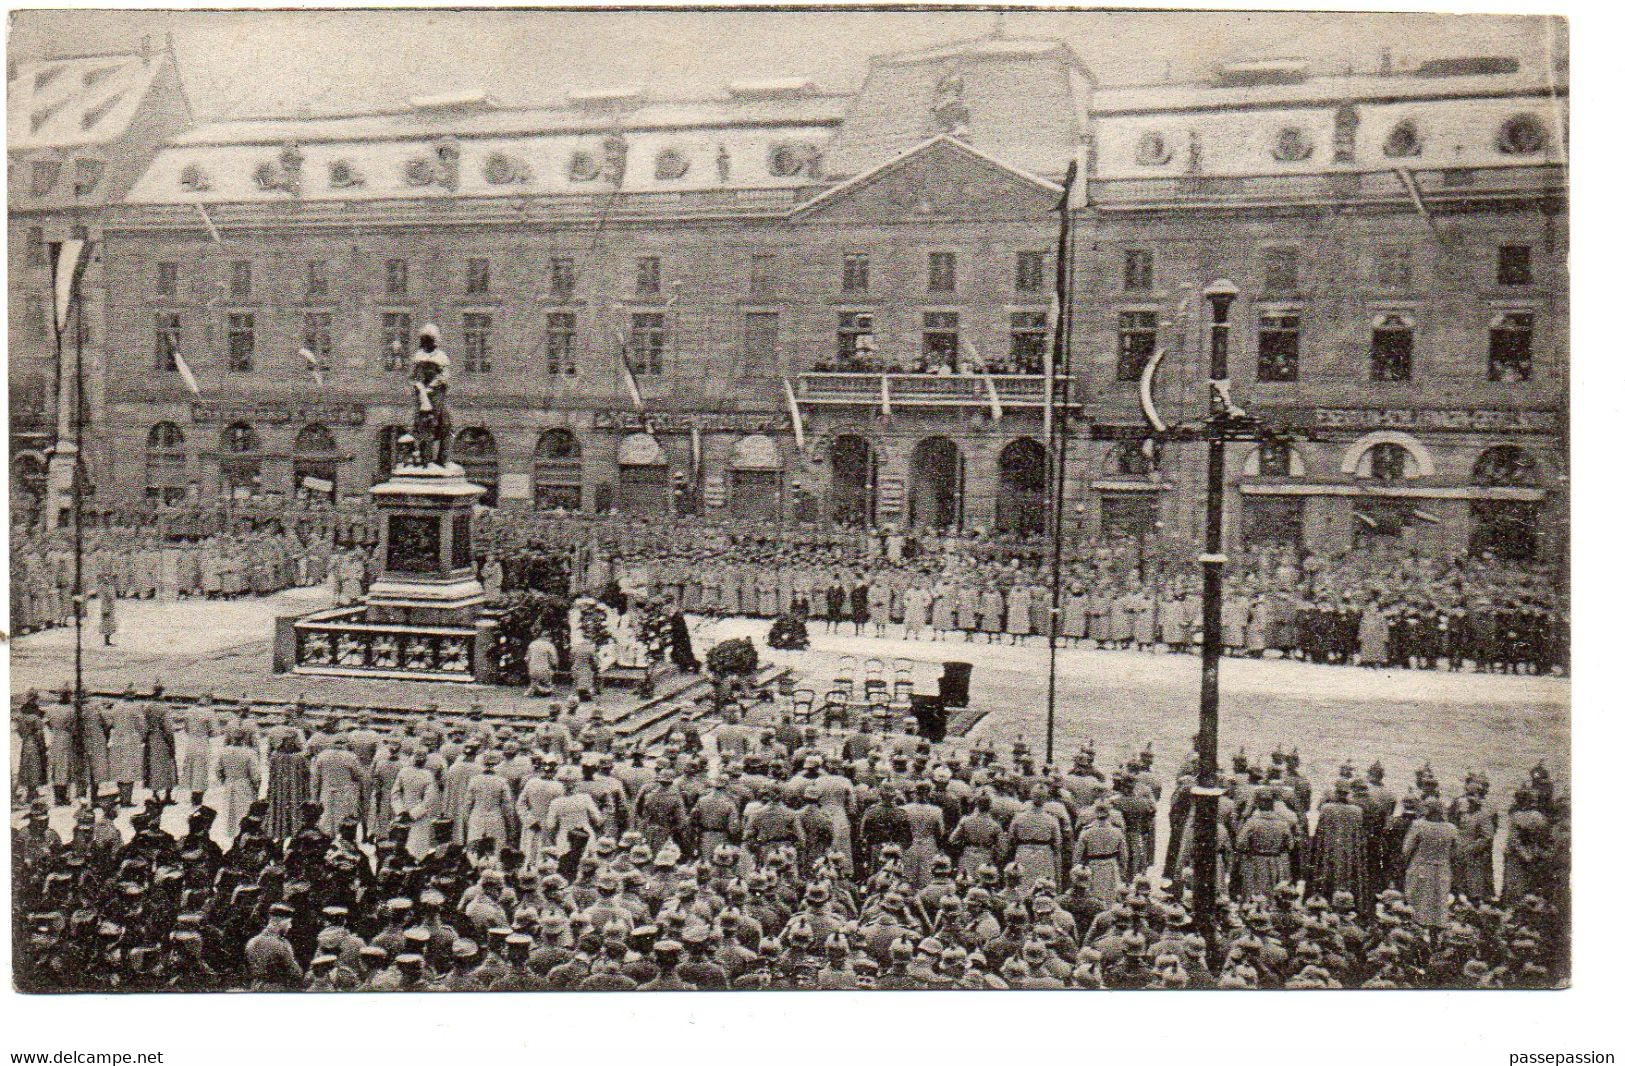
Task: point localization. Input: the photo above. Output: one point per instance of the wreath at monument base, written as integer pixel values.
(789, 633)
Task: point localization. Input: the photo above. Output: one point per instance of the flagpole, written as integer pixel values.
(80, 740)
(1056, 425)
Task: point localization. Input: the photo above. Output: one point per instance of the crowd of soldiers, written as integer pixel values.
(459, 853)
(1377, 609)
(128, 564)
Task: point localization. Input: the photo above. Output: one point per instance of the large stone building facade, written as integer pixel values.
(79, 132)
(877, 270)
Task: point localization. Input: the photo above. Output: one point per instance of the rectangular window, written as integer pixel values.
(761, 339)
(44, 175)
(1281, 270)
(1381, 523)
(1391, 268)
(1272, 521)
(1278, 346)
(87, 174)
(477, 342)
(1139, 272)
(855, 341)
(1392, 342)
(168, 283)
(764, 281)
(397, 339)
(242, 280)
(36, 247)
(1512, 346)
(1029, 271)
(1136, 342)
(939, 342)
(395, 277)
(561, 343)
(478, 281)
(561, 277)
(167, 340)
(316, 279)
(240, 342)
(1029, 336)
(648, 350)
(1128, 514)
(941, 271)
(855, 272)
(319, 334)
(647, 281)
(1513, 265)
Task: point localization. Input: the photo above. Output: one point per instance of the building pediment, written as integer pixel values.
(942, 178)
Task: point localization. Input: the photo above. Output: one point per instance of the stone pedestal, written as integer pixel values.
(427, 519)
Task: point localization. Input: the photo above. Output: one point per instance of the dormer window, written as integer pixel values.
(1153, 150)
(670, 165)
(1292, 145)
(1403, 141)
(1522, 135)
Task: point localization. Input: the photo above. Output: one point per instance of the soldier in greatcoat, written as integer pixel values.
(126, 746)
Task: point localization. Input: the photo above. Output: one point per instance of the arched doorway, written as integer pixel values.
(1019, 508)
(315, 464)
(1507, 529)
(557, 471)
(936, 475)
(645, 482)
(851, 481)
(476, 450)
(239, 461)
(755, 479)
(166, 464)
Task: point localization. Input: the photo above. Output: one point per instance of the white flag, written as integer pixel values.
(186, 374)
(66, 272)
(795, 415)
(980, 364)
(315, 366)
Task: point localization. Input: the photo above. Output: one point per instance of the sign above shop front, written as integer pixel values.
(344, 414)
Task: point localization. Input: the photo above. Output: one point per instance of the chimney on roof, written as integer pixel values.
(1385, 61)
(146, 50)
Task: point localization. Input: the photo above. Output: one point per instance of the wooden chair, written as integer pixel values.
(874, 677)
(846, 670)
(837, 708)
(801, 705)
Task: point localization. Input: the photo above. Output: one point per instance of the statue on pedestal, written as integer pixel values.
(430, 369)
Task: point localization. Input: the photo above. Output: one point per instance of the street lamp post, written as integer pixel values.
(1221, 419)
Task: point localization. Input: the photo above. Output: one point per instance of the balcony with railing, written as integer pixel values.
(920, 390)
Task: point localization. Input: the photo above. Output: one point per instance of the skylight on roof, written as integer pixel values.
(93, 78)
(99, 112)
(38, 119)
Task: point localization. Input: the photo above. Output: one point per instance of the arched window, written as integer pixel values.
(166, 464)
(314, 439)
(476, 450)
(1505, 464)
(239, 461)
(1387, 462)
(239, 438)
(557, 471)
